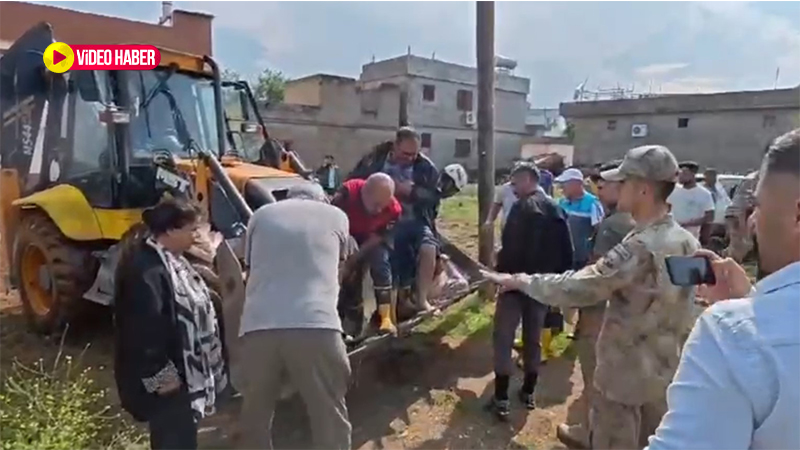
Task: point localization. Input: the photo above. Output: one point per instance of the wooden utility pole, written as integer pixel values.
(485, 53)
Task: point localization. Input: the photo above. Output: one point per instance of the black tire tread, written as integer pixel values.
(73, 269)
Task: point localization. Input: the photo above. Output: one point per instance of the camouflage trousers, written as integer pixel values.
(590, 320)
(617, 426)
(741, 241)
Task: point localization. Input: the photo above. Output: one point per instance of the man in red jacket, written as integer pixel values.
(372, 209)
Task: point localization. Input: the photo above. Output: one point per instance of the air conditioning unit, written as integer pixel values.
(469, 119)
(639, 130)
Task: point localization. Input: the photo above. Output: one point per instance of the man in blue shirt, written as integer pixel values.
(738, 383)
(584, 213)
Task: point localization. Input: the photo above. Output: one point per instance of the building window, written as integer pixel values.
(428, 92)
(425, 140)
(463, 148)
(611, 125)
(683, 122)
(464, 100)
(769, 121)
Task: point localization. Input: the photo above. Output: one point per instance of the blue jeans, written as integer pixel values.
(380, 267)
(409, 236)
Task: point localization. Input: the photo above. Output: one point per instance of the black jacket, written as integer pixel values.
(425, 196)
(146, 333)
(536, 238)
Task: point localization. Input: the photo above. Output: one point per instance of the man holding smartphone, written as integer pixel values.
(737, 386)
(647, 318)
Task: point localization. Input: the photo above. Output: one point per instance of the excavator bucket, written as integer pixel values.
(231, 286)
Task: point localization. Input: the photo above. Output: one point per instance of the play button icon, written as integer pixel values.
(58, 57)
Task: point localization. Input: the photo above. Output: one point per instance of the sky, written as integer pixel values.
(666, 47)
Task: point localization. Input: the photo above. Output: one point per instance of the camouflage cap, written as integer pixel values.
(649, 162)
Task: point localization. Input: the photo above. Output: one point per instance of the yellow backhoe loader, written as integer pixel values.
(83, 153)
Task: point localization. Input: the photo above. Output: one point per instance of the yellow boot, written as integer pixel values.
(384, 300)
(386, 325)
(546, 344)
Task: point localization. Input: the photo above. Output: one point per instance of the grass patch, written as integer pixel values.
(469, 317)
(59, 408)
(562, 345)
(460, 208)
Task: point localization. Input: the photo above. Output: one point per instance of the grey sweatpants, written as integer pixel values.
(316, 363)
(511, 308)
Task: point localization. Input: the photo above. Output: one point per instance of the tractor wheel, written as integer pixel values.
(53, 272)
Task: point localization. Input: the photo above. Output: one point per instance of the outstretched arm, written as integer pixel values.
(588, 286)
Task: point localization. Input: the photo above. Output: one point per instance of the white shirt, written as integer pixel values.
(737, 385)
(721, 201)
(690, 204)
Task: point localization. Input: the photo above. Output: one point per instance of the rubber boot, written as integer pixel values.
(383, 298)
(546, 344)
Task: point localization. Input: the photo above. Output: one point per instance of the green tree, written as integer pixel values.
(569, 132)
(270, 86)
(230, 75)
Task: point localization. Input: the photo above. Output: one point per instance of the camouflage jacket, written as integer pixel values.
(647, 319)
(743, 199)
(742, 205)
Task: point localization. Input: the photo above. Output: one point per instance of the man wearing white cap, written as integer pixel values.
(584, 213)
(647, 318)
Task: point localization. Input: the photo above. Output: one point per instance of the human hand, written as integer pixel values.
(507, 282)
(169, 386)
(731, 279)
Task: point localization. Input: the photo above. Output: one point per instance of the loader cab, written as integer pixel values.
(100, 131)
(244, 126)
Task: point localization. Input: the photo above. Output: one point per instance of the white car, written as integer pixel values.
(729, 182)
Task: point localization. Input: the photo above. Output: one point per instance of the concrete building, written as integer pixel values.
(185, 31)
(439, 99)
(328, 114)
(544, 122)
(725, 130)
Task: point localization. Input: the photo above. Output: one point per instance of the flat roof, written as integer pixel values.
(322, 76)
(682, 103)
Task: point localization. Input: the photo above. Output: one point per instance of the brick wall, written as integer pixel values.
(190, 32)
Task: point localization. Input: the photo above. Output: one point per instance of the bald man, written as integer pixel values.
(373, 210)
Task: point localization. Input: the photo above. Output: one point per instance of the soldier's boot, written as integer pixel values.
(383, 297)
(573, 436)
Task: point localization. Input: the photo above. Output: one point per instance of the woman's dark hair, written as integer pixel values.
(170, 214)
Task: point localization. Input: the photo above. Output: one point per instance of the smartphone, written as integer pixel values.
(690, 270)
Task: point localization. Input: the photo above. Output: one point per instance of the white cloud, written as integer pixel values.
(660, 69)
(691, 85)
(677, 46)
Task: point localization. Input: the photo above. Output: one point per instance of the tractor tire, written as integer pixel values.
(54, 273)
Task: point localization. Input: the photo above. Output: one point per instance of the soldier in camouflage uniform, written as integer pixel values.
(742, 204)
(610, 232)
(647, 319)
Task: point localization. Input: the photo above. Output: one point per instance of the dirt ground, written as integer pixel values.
(425, 391)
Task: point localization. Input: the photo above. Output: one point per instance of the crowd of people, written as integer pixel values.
(594, 243)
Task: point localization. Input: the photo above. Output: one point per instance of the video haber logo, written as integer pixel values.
(60, 57)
